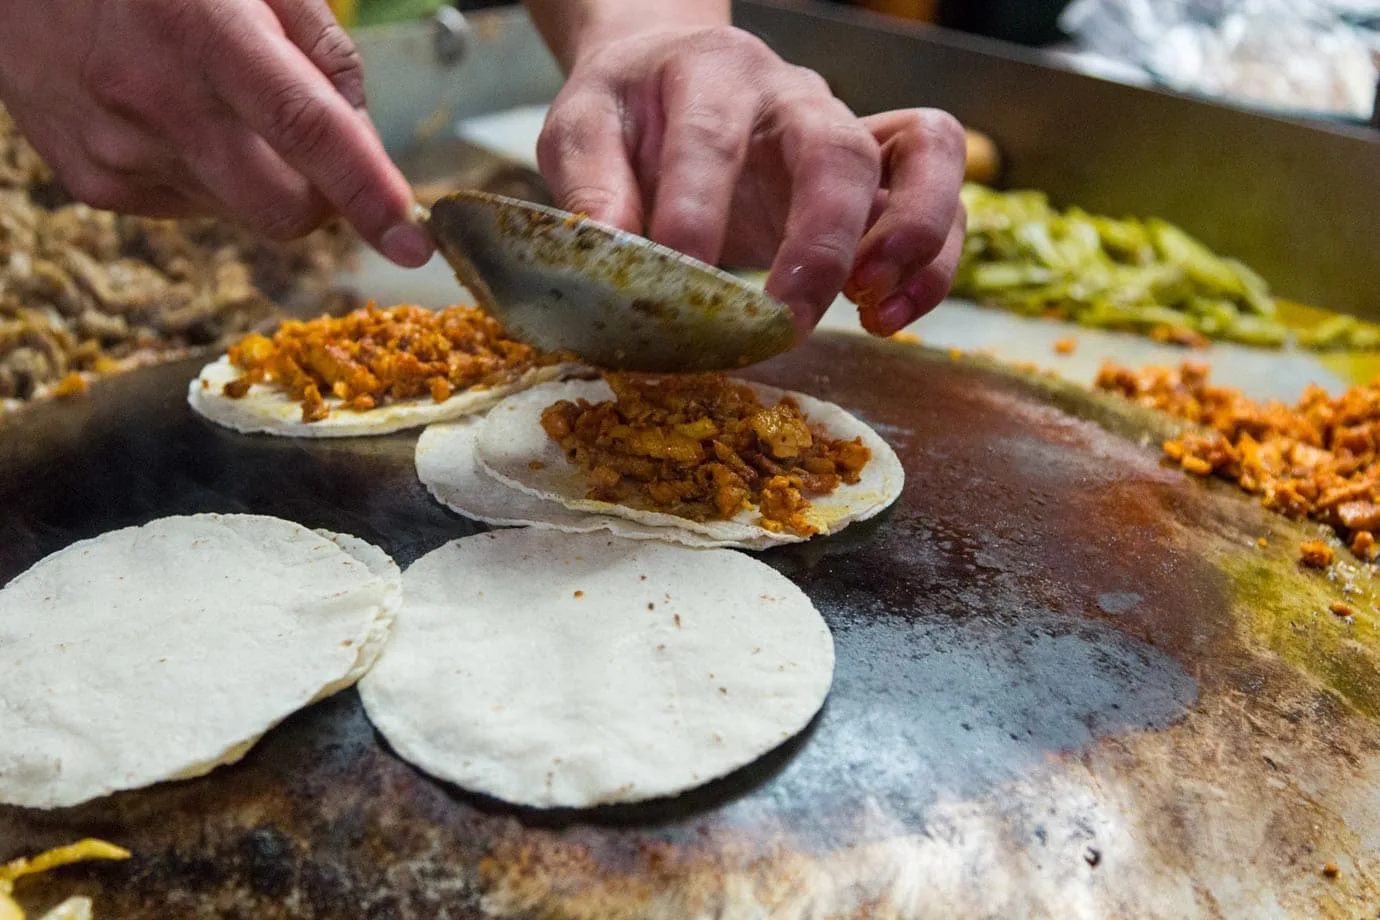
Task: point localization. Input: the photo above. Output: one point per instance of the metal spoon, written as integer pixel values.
(561, 282)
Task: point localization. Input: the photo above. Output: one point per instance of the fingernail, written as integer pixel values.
(406, 244)
(890, 316)
(875, 280)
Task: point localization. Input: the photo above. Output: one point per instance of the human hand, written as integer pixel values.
(251, 110)
(706, 141)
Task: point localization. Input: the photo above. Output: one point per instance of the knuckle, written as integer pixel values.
(829, 259)
(841, 149)
(298, 124)
(114, 148)
(289, 220)
(708, 131)
(553, 140)
(809, 83)
(339, 60)
(111, 154)
(854, 146)
(117, 85)
(733, 42)
(940, 130)
(94, 186)
(587, 199)
(570, 130)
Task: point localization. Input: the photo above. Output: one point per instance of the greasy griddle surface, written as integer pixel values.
(1047, 679)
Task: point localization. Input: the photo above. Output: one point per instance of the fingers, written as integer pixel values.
(252, 185)
(312, 27)
(922, 291)
(583, 154)
(112, 165)
(923, 157)
(708, 126)
(281, 96)
(835, 168)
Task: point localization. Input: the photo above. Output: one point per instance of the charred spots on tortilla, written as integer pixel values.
(651, 605)
(642, 578)
(675, 618)
(661, 647)
(579, 594)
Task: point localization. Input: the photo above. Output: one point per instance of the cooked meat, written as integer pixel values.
(1318, 459)
(703, 447)
(89, 291)
(371, 357)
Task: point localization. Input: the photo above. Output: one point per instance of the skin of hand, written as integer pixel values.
(247, 109)
(674, 124)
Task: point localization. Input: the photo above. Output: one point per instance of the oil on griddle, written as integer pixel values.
(1069, 684)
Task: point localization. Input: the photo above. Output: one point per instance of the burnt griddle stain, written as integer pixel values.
(987, 710)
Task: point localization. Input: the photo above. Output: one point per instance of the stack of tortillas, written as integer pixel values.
(502, 469)
(160, 652)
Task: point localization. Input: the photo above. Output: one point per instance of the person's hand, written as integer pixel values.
(247, 109)
(706, 141)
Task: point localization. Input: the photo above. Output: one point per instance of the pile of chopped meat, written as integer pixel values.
(704, 448)
(83, 290)
(373, 356)
(1318, 459)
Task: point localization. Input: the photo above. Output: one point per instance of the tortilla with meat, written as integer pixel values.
(268, 409)
(447, 465)
(161, 652)
(558, 670)
(515, 449)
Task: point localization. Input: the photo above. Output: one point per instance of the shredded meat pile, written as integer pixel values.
(1319, 459)
(703, 448)
(374, 356)
(83, 290)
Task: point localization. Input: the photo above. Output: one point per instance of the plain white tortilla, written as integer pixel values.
(268, 409)
(559, 670)
(512, 438)
(449, 468)
(163, 651)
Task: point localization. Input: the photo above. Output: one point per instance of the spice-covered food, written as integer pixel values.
(1319, 458)
(89, 291)
(375, 356)
(704, 447)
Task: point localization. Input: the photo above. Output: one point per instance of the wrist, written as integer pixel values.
(583, 27)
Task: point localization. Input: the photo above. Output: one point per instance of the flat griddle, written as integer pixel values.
(1070, 683)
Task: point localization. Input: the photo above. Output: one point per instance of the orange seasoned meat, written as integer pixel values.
(705, 448)
(1317, 459)
(373, 356)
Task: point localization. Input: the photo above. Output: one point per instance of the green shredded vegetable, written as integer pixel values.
(1144, 276)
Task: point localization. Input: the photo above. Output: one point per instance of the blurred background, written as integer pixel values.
(1304, 58)
(1030, 22)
